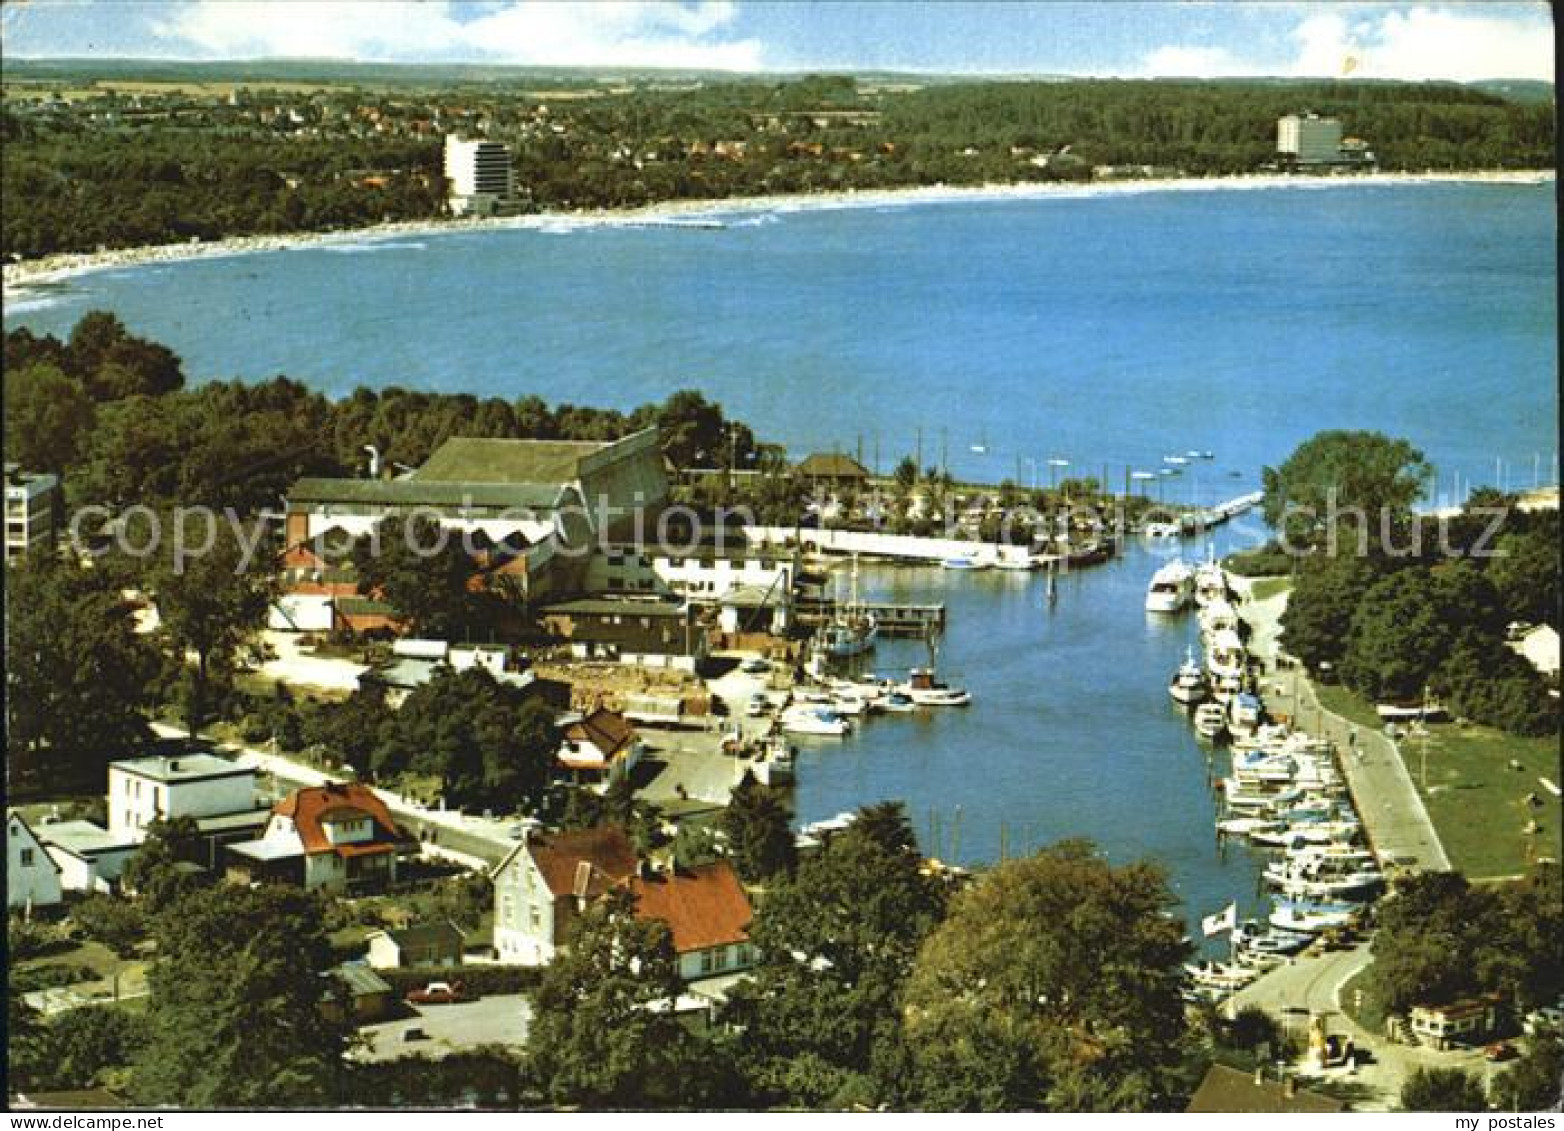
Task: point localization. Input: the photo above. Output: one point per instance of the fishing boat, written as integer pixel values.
(850, 705)
(1254, 941)
(1210, 721)
(852, 630)
(967, 562)
(926, 691)
(1247, 826)
(868, 687)
(1188, 685)
(1219, 977)
(812, 718)
(774, 765)
(1170, 588)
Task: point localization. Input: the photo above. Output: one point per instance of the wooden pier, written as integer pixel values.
(891, 619)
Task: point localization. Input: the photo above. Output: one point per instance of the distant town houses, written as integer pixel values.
(656, 633)
(423, 944)
(414, 662)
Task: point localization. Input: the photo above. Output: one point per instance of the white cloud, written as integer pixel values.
(644, 33)
(1457, 44)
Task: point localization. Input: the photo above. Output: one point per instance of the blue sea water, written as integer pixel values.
(1105, 329)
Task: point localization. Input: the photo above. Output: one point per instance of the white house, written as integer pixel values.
(550, 878)
(1540, 648)
(598, 749)
(337, 837)
(89, 857)
(142, 790)
(426, 944)
(703, 573)
(32, 878)
(707, 913)
(546, 881)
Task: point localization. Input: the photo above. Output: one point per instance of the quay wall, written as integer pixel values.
(873, 544)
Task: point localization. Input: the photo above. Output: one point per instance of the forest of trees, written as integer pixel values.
(112, 413)
(79, 177)
(1396, 605)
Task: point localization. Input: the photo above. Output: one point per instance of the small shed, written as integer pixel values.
(357, 994)
(426, 944)
(1465, 1022)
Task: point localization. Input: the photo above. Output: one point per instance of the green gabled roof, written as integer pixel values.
(473, 460)
(417, 492)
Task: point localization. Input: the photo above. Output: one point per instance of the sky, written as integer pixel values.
(1456, 41)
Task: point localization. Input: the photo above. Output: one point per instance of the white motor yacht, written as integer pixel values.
(1188, 685)
(811, 718)
(1170, 588)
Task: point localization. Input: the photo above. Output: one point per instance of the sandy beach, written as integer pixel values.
(21, 278)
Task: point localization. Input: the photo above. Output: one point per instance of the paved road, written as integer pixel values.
(484, 840)
(1392, 812)
(499, 1020)
(1311, 987)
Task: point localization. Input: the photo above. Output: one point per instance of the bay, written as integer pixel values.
(1104, 329)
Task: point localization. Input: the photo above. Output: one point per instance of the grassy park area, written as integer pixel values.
(1478, 784)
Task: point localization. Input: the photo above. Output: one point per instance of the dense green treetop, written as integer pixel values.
(1346, 481)
(235, 1014)
(77, 674)
(1054, 984)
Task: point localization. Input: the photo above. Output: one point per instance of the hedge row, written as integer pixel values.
(481, 980)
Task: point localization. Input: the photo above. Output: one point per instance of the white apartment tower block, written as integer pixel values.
(1309, 139)
(481, 175)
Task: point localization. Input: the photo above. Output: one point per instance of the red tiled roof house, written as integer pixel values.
(550, 878)
(598, 749)
(337, 837)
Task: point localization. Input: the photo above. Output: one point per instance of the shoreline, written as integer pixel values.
(25, 278)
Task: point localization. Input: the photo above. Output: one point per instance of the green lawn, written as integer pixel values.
(1264, 588)
(103, 962)
(1475, 796)
(1365, 1010)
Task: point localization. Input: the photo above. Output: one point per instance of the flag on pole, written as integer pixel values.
(1224, 920)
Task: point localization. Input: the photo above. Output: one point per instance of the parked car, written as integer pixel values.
(440, 993)
(1500, 1052)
